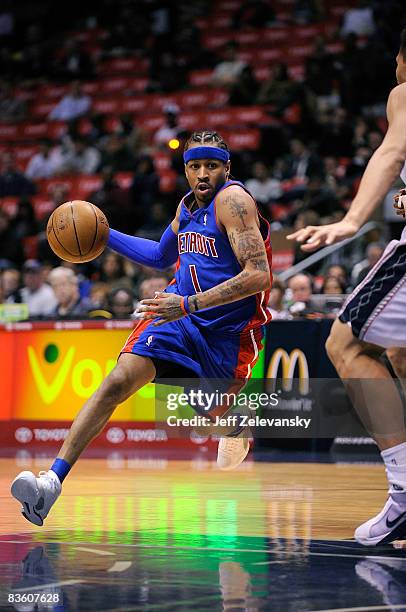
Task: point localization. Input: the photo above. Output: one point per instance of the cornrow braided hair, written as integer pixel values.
(206, 137)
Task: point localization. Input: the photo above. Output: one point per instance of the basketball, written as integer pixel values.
(77, 231)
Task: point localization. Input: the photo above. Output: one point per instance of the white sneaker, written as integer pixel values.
(231, 452)
(387, 526)
(37, 495)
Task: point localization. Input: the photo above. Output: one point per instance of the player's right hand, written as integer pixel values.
(399, 203)
(313, 237)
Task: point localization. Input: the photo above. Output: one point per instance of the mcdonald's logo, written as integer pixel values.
(289, 362)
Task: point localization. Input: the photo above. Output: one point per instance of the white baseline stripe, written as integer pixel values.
(50, 585)
(317, 554)
(95, 551)
(363, 608)
(120, 566)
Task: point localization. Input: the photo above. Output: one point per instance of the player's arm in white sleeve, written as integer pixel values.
(238, 216)
(382, 170)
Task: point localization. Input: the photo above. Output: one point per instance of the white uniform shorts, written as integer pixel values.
(376, 309)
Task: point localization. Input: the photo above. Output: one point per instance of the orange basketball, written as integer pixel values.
(77, 231)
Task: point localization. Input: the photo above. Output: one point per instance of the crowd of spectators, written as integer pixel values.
(304, 171)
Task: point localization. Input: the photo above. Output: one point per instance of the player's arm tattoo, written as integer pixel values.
(248, 246)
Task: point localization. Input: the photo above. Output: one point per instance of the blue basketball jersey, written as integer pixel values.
(206, 259)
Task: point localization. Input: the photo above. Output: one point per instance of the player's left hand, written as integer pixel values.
(164, 307)
(399, 203)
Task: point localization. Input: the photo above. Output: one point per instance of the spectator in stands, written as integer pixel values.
(10, 247)
(44, 163)
(73, 105)
(145, 185)
(11, 280)
(112, 271)
(134, 135)
(12, 181)
(38, 296)
(244, 91)
(74, 63)
(98, 134)
(332, 286)
(253, 14)
(276, 301)
(168, 72)
(374, 251)
(339, 272)
(98, 295)
(308, 11)
(301, 163)
(227, 72)
(335, 134)
(121, 303)
(24, 222)
(80, 159)
(279, 89)
(359, 20)
(158, 219)
(358, 163)
(171, 127)
(320, 70)
(114, 201)
(262, 187)
(319, 197)
(116, 154)
(12, 106)
(65, 285)
(149, 286)
(301, 291)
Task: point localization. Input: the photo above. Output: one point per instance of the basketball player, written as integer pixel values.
(207, 323)
(374, 317)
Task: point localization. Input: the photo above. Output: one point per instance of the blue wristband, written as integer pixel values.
(186, 304)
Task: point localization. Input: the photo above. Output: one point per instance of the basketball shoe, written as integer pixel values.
(387, 576)
(37, 495)
(231, 452)
(388, 525)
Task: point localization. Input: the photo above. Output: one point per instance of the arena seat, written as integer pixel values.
(43, 206)
(30, 247)
(9, 205)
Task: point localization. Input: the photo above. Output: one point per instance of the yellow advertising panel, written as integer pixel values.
(56, 371)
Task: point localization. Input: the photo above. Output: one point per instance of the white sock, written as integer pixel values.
(395, 465)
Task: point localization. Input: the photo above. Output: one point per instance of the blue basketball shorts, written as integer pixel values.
(207, 354)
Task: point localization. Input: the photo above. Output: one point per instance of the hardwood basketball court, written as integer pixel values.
(157, 534)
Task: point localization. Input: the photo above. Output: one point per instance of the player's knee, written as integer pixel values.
(337, 343)
(119, 384)
(397, 357)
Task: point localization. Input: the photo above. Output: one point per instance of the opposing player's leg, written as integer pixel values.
(380, 407)
(38, 494)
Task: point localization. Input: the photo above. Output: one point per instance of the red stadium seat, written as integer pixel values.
(84, 185)
(8, 132)
(9, 205)
(42, 109)
(136, 104)
(167, 181)
(30, 246)
(43, 206)
(124, 179)
(106, 105)
(244, 139)
(199, 78)
(23, 155)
